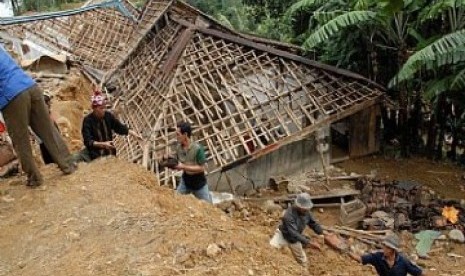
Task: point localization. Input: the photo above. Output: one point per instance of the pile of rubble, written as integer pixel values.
(404, 205)
(8, 162)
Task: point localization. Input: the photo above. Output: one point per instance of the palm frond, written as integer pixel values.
(224, 20)
(437, 86)
(450, 49)
(324, 17)
(337, 24)
(438, 8)
(459, 81)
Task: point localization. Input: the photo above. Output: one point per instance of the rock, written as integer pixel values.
(183, 258)
(270, 207)
(7, 199)
(456, 235)
(225, 205)
(250, 193)
(74, 236)
(213, 250)
(321, 210)
(294, 189)
(21, 264)
(250, 272)
(238, 204)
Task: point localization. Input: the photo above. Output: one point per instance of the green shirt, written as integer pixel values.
(194, 155)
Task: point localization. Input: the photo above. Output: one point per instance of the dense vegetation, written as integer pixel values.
(416, 48)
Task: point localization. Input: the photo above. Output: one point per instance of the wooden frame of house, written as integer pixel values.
(255, 104)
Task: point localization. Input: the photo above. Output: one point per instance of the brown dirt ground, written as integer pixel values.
(111, 218)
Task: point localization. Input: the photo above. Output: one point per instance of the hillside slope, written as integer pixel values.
(111, 218)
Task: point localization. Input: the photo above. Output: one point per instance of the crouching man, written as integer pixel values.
(389, 262)
(294, 221)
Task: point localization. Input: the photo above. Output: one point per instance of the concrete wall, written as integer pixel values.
(296, 157)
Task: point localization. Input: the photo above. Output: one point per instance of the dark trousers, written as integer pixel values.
(29, 109)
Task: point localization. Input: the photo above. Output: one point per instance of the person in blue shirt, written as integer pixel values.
(389, 262)
(22, 104)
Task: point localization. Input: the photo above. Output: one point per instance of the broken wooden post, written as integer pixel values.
(322, 147)
(145, 154)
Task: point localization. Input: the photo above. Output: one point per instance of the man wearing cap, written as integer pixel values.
(191, 157)
(389, 262)
(22, 105)
(97, 130)
(294, 221)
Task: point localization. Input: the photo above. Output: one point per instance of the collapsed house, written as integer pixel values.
(258, 107)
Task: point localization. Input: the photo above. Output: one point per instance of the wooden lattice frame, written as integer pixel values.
(243, 98)
(98, 35)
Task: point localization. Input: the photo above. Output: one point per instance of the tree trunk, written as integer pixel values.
(432, 134)
(455, 133)
(415, 125)
(442, 125)
(402, 57)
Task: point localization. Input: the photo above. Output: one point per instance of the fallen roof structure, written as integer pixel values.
(98, 35)
(246, 96)
(236, 91)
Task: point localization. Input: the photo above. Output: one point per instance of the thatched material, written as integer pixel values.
(243, 98)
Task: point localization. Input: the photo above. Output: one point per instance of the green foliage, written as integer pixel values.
(44, 5)
(447, 50)
(438, 8)
(304, 5)
(458, 82)
(338, 24)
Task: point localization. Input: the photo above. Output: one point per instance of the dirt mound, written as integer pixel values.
(111, 218)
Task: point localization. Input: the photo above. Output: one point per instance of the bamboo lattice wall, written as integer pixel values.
(241, 97)
(96, 35)
(244, 95)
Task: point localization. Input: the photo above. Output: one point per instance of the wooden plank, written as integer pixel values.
(284, 54)
(177, 51)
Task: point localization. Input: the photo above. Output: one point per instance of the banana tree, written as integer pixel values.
(383, 26)
(443, 61)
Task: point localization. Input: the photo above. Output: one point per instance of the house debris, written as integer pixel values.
(245, 99)
(251, 100)
(408, 206)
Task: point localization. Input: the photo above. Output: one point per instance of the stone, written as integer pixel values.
(213, 250)
(250, 193)
(74, 236)
(456, 235)
(269, 206)
(7, 199)
(21, 264)
(294, 189)
(321, 210)
(238, 204)
(250, 272)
